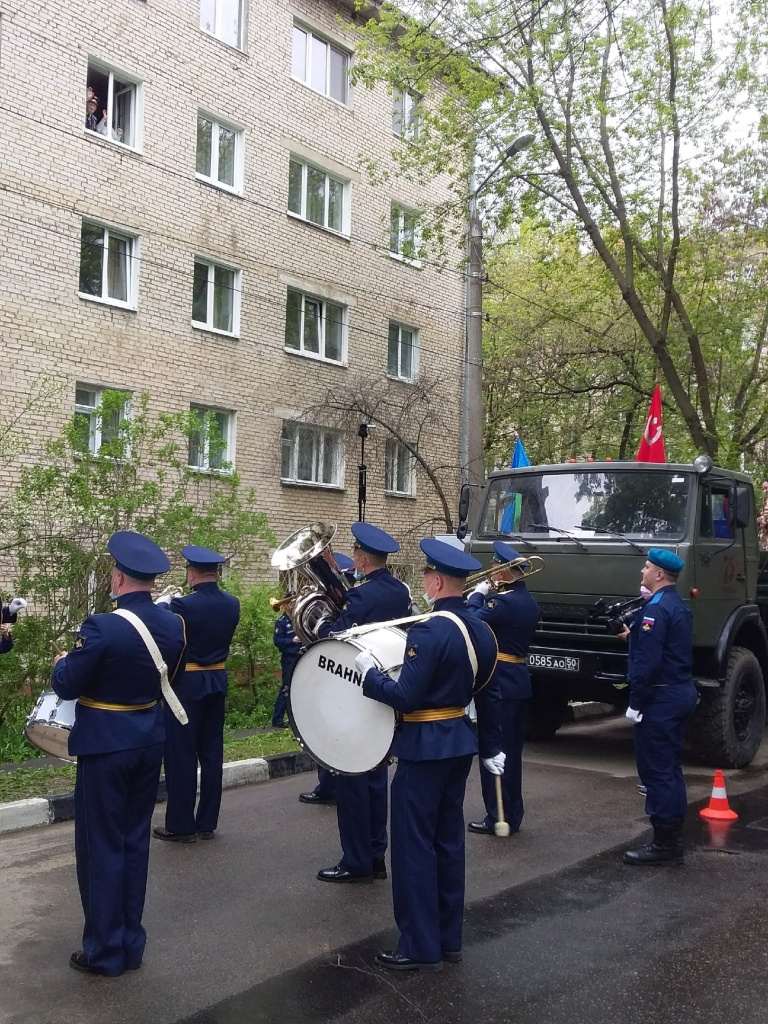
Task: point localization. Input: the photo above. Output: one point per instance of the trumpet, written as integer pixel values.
(524, 567)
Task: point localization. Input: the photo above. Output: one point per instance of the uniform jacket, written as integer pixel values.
(6, 643)
(110, 663)
(211, 616)
(660, 646)
(284, 641)
(378, 598)
(436, 673)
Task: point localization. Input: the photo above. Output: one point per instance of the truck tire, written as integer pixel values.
(726, 728)
(546, 713)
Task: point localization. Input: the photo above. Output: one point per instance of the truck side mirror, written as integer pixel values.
(741, 506)
(464, 497)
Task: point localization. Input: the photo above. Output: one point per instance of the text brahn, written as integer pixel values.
(339, 670)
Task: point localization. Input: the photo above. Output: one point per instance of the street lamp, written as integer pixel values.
(473, 417)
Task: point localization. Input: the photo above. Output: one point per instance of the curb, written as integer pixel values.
(49, 810)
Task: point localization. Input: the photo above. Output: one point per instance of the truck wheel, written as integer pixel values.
(726, 728)
(546, 714)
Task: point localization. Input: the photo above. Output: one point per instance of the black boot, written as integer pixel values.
(666, 846)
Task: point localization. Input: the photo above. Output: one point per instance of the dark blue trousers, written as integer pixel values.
(201, 740)
(428, 855)
(326, 784)
(114, 798)
(281, 706)
(658, 745)
(361, 810)
(513, 715)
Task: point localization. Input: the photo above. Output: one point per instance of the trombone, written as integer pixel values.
(523, 566)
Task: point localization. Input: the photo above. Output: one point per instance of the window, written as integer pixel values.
(404, 232)
(211, 446)
(399, 468)
(108, 262)
(99, 419)
(311, 455)
(112, 105)
(223, 19)
(405, 115)
(317, 196)
(315, 327)
(320, 65)
(216, 297)
(219, 153)
(402, 352)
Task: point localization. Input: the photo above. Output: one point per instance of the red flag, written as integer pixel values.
(652, 443)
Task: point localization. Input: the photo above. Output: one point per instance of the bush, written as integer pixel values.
(254, 661)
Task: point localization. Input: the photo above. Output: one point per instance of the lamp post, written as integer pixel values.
(473, 414)
(362, 472)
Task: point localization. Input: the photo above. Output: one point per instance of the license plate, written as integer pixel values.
(551, 661)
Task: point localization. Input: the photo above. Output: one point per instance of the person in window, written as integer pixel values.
(91, 121)
(103, 129)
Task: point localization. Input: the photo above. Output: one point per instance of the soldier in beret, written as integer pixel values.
(661, 697)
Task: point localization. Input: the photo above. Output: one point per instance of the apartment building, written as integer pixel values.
(185, 211)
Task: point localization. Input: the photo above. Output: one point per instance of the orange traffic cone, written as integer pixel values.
(718, 809)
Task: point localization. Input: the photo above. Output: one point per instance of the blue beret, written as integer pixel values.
(373, 540)
(504, 553)
(202, 558)
(447, 559)
(137, 556)
(344, 562)
(666, 559)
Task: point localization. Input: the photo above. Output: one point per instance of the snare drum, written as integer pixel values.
(49, 724)
(335, 722)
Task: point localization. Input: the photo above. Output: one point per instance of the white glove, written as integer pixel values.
(18, 604)
(482, 588)
(495, 764)
(364, 661)
(633, 716)
(164, 599)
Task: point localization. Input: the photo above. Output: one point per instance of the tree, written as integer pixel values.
(633, 107)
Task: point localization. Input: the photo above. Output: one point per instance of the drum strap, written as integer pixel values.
(170, 697)
(464, 632)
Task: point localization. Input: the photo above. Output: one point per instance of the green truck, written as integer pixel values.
(592, 523)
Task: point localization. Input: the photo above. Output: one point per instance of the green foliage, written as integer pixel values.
(254, 661)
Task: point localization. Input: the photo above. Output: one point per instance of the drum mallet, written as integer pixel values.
(501, 828)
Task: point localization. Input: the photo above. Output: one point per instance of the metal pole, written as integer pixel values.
(474, 470)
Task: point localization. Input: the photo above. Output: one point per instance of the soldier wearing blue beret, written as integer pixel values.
(445, 656)
(118, 738)
(661, 697)
(211, 616)
(361, 800)
(504, 603)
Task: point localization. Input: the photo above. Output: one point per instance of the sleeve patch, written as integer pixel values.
(412, 651)
(80, 642)
(647, 624)
(491, 603)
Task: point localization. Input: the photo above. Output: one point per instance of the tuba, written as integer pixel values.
(315, 589)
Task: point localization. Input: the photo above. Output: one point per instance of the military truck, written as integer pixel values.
(592, 524)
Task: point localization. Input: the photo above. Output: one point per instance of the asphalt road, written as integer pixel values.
(240, 931)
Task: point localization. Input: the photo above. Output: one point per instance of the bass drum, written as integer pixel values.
(341, 728)
(49, 724)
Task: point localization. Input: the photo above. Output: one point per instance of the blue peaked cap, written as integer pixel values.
(505, 553)
(447, 559)
(666, 559)
(137, 556)
(344, 562)
(202, 558)
(373, 540)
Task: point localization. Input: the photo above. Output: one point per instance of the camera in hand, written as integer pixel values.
(619, 614)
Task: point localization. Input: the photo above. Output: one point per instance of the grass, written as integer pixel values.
(31, 782)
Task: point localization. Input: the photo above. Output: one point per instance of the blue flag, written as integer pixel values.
(519, 455)
(511, 514)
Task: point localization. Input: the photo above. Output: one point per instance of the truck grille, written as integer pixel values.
(570, 620)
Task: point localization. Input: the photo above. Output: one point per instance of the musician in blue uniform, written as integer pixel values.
(118, 739)
(361, 800)
(661, 697)
(445, 656)
(289, 645)
(504, 603)
(211, 616)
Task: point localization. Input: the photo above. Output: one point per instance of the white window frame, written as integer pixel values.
(301, 214)
(309, 35)
(132, 279)
(216, 32)
(137, 105)
(228, 454)
(403, 212)
(323, 303)
(208, 324)
(415, 347)
(212, 179)
(323, 436)
(95, 433)
(405, 115)
(395, 453)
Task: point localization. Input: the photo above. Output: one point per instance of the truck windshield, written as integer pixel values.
(634, 503)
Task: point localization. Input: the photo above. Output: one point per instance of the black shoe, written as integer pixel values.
(78, 962)
(281, 725)
(380, 870)
(666, 847)
(173, 837)
(207, 835)
(452, 956)
(313, 798)
(339, 874)
(397, 962)
(480, 827)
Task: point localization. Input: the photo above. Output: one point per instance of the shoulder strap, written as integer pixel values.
(465, 633)
(170, 697)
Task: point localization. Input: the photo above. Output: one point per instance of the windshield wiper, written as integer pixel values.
(565, 533)
(612, 533)
(516, 536)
